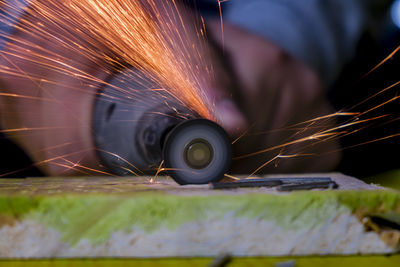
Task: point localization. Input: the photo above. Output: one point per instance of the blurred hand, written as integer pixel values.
(49, 112)
(273, 90)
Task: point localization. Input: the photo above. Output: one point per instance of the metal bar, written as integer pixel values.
(247, 183)
(308, 186)
(269, 182)
(302, 180)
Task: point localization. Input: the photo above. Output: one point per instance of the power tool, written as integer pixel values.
(137, 127)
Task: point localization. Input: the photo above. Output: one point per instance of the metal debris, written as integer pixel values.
(308, 186)
(247, 183)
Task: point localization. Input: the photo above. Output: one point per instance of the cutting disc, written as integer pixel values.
(197, 152)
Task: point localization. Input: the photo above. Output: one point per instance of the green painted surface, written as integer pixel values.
(349, 261)
(389, 179)
(17, 206)
(96, 216)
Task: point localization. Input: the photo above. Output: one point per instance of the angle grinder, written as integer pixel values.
(137, 129)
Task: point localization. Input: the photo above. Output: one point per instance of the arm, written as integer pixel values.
(283, 54)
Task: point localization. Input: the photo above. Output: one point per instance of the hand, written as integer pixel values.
(274, 90)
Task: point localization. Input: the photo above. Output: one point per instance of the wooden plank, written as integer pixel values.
(130, 217)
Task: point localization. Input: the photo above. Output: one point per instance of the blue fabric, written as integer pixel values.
(10, 12)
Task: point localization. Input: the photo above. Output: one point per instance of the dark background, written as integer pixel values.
(352, 88)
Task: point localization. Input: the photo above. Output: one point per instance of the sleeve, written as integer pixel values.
(10, 13)
(322, 33)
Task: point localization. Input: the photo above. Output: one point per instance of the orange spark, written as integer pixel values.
(382, 62)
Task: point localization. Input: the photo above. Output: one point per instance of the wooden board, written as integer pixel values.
(131, 217)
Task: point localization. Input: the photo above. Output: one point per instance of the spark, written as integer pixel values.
(221, 22)
(333, 115)
(28, 97)
(298, 126)
(240, 136)
(376, 94)
(231, 177)
(25, 129)
(380, 105)
(75, 165)
(316, 136)
(279, 156)
(128, 170)
(56, 146)
(372, 141)
(159, 170)
(48, 161)
(124, 160)
(70, 167)
(382, 62)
